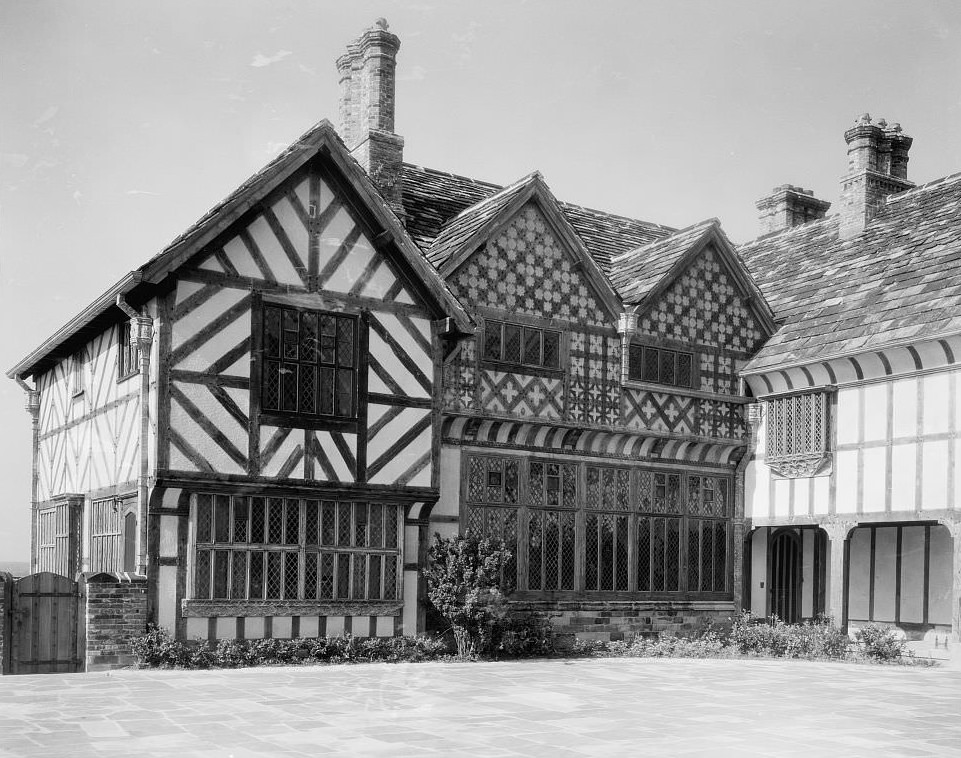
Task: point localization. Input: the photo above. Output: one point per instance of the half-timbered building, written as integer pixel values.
(271, 417)
(853, 497)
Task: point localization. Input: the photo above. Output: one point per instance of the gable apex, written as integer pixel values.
(476, 225)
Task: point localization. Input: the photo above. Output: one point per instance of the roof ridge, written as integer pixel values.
(949, 179)
(677, 232)
(451, 175)
(608, 214)
(527, 178)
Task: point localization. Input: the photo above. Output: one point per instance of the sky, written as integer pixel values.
(123, 121)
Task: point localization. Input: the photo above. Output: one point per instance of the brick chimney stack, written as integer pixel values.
(367, 109)
(789, 206)
(877, 167)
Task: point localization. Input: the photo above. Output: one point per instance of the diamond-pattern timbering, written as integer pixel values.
(664, 412)
(524, 269)
(521, 394)
(595, 370)
(703, 306)
(460, 376)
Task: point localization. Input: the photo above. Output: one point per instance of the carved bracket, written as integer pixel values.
(800, 465)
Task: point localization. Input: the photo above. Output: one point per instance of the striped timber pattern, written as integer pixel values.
(872, 365)
(301, 248)
(88, 440)
(549, 438)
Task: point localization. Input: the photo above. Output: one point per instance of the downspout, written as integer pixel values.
(141, 337)
(32, 406)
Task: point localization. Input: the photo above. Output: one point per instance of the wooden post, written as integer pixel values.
(954, 527)
(837, 532)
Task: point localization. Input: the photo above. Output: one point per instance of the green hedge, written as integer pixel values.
(157, 649)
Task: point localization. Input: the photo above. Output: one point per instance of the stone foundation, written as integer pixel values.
(612, 620)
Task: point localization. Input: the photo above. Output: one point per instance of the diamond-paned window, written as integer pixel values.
(309, 363)
(256, 548)
(798, 434)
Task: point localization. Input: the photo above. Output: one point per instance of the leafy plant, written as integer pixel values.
(464, 583)
(880, 642)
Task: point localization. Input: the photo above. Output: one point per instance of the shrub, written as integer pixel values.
(519, 635)
(464, 583)
(157, 649)
(880, 643)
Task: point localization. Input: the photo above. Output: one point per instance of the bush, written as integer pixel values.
(156, 649)
(465, 584)
(880, 643)
(520, 635)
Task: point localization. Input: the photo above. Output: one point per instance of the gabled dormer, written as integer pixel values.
(693, 313)
(544, 308)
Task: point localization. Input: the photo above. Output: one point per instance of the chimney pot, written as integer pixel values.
(877, 167)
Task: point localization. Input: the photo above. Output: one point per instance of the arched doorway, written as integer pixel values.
(785, 581)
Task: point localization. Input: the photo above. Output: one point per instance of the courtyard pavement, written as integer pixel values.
(605, 707)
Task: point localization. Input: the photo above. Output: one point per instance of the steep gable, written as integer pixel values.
(515, 251)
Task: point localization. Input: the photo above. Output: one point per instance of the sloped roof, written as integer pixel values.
(433, 198)
(466, 223)
(642, 275)
(322, 139)
(897, 281)
(635, 273)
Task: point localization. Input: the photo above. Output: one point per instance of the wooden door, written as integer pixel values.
(786, 576)
(44, 625)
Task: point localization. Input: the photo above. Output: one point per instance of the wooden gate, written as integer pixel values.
(43, 627)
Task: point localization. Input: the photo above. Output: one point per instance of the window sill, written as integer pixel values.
(522, 368)
(296, 421)
(259, 608)
(124, 377)
(687, 391)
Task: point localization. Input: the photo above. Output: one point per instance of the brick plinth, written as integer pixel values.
(613, 620)
(115, 614)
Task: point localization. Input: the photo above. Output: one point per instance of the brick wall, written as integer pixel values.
(623, 620)
(116, 613)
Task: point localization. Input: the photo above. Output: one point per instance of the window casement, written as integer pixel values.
(660, 365)
(77, 371)
(251, 548)
(522, 345)
(128, 356)
(310, 364)
(591, 527)
(798, 438)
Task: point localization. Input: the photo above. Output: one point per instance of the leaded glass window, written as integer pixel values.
(310, 363)
(660, 366)
(608, 488)
(552, 483)
(128, 356)
(270, 548)
(524, 345)
(797, 433)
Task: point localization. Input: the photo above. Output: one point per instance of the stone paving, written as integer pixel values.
(606, 707)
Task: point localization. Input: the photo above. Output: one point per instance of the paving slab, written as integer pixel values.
(592, 707)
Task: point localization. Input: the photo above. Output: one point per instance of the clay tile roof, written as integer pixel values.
(635, 273)
(433, 198)
(898, 280)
